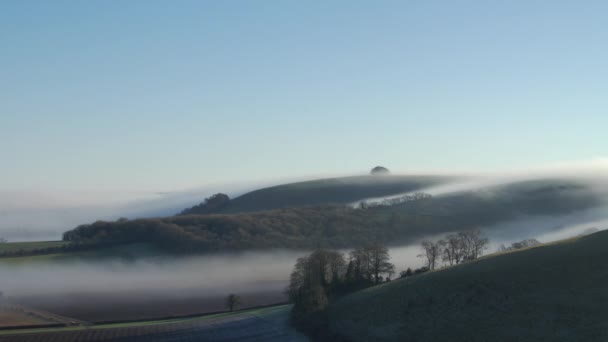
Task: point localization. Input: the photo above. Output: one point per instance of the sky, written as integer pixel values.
(148, 96)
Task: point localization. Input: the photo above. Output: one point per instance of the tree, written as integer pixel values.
(406, 273)
(379, 170)
(324, 274)
(519, 245)
(379, 262)
(454, 249)
(474, 243)
(431, 252)
(232, 301)
(211, 205)
(370, 263)
(3, 240)
(322, 268)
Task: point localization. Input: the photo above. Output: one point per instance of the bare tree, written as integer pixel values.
(454, 250)
(474, 243)
(314, 273)
(361, 262)
(379, 262)
(432, 252)
(232, 301)
(370, 263)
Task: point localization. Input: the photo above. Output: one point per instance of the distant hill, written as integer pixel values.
(398, 221)
(320, 192)
(555, 292)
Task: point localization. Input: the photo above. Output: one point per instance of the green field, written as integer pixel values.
(30, 246)
(125, 252)
(555, 292)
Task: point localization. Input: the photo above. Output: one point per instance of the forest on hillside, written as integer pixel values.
(394, 221)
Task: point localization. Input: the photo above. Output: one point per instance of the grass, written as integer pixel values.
(342, 190)
(125, 252)
(257, 312)
(552, 292)
(29, 246)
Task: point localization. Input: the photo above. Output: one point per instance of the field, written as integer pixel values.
(556, 292)
(29, 246)
(101, 307)
(9, 318)
(268, 324)
(125, 252)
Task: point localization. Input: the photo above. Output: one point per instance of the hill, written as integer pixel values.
(555, 292)
(401, 220)
(330, 191)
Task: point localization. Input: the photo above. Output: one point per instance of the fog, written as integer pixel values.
(115, 289)
(594, 174)
(109, 283)
(45, 215)
(234, 272)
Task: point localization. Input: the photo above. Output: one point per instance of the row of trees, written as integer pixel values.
(416, 198)
(454, 248)
(519, 245)
(325, 274)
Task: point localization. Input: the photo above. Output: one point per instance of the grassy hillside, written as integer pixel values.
(322, 192)
(556, 292)
(343, 227)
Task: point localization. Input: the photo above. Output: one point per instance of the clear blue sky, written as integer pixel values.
(159, 95)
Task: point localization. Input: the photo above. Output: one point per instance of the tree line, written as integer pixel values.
(325, 274)
(454, 248)
(398, 220)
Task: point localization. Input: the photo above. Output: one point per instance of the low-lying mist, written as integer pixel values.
(122, 289)
(218, 274)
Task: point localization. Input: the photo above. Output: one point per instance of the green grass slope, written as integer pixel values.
(325, 191)
(556, 292)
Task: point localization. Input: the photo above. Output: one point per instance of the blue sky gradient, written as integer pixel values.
(162, 95)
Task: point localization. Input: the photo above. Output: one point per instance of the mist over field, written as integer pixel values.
(96, 289)
(53, 284)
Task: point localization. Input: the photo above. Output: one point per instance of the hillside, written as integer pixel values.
(340, 226)
(321, 192)
(555, 292)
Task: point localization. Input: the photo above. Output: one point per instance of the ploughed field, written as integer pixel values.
(104, 307)
(269, 324)
(9, 318)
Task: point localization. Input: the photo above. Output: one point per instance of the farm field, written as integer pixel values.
(126, 252)
(17, 319)
(29, 246)
(103, 307)
(268, 324)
